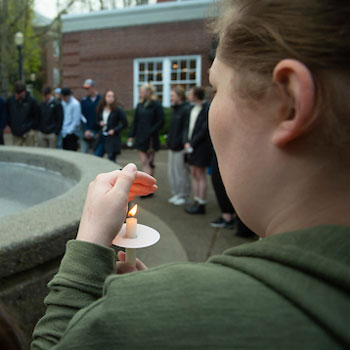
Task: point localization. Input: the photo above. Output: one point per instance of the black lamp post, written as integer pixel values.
(19, 43)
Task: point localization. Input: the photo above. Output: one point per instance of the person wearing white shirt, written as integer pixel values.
(71, 120)
(198, 148)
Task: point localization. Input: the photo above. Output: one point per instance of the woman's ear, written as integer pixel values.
(297, 87)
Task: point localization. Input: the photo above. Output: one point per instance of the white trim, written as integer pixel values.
(199, 69)
(166, 82)
(136, 78)
(172, 11)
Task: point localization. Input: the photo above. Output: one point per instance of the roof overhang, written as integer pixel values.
(173, 11)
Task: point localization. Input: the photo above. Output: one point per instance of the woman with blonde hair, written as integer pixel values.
(280, 126)
(148, 120)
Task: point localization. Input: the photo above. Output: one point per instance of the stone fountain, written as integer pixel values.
(42, 193)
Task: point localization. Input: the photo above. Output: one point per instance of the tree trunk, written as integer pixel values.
(3, 71)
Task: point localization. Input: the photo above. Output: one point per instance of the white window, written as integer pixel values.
(56, 77)
(56, 48)
(165, 73)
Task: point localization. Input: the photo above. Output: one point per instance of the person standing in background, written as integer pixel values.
(90, 126)
(198, 148)
(57, 94)
(50, 120)
(228, 219)
(179, 177)
(148, 120)
(112, 120)
(71, 120)
(22, 116)
(2, 119)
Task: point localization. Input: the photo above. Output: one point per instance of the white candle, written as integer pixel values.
(131, 227)
(131, 232)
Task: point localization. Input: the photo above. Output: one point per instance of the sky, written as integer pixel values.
(46, 8)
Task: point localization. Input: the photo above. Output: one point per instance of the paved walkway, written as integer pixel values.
(197, 237)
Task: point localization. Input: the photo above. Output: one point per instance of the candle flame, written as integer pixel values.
(133, 210)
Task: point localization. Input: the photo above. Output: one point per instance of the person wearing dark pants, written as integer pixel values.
(112, 120)
(227, 212)
(198, 148)
(89, 104)
(50, 120)
(71, 120)
(228, 217)
(70, 142)
(147, 123)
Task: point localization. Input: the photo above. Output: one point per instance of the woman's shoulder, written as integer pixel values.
(155, 103)
(205, 104)
(119, 109)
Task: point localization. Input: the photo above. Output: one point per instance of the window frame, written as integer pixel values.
(166, 74)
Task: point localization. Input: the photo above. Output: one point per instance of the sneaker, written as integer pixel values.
(230, 224)
(218, 223)
(180, 201)
(173, 198)
(196, 209)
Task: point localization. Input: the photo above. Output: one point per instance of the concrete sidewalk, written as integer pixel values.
(194, 232)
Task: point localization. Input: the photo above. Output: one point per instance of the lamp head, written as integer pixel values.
(19, 38)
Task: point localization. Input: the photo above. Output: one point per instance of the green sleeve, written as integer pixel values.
(78, 283)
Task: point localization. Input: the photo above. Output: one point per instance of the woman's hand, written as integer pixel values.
(87, 134)
(124, 267)
(102, 123)
(106, 203)
(111, 132)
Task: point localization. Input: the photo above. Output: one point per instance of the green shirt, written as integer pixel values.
(288, 291)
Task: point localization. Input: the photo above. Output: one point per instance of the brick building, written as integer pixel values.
(166, 43)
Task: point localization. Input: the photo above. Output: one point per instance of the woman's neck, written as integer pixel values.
(317, 199)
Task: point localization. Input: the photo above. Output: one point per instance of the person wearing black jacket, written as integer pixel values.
(89, 122)
(50, 120)
(198, 148)
(22, 116)
(179, 177)
(112, 120)
(148, 120)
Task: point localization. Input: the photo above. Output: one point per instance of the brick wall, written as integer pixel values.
(49, 61)
(107, 55)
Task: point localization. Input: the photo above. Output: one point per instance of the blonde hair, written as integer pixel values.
(150, 87)
(180, 91)
(254, 35)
